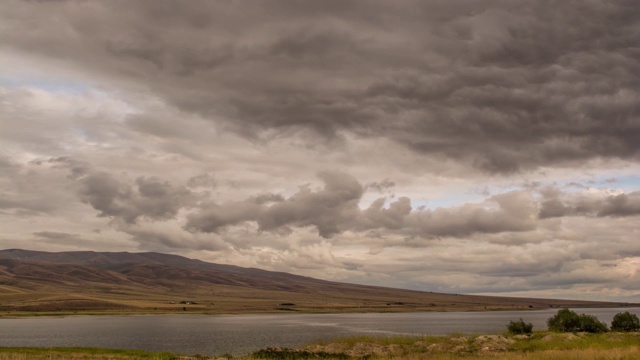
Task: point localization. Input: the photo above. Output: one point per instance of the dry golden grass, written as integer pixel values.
(79, 353)
(576, 354)
(229, 299)
(541, 345)
(67, 356)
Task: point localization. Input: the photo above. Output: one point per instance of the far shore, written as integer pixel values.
(201, 311)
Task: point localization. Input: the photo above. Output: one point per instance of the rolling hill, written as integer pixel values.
(108, 282)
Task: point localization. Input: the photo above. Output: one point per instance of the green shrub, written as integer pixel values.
(625, 322)
(591, 324)
(569, 321)
(564, 320)
(519, 327)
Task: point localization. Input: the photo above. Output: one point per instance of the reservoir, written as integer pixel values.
(241, 334)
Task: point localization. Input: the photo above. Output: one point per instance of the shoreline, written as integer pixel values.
(121, 312)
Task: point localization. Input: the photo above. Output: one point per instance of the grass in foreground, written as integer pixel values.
(540, 345)
(24, 353)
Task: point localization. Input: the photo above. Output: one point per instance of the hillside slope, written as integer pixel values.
(36, 281)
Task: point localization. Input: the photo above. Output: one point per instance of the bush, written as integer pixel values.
(625, 322)
(569, 321)
(591, 324)
(564, 320)
(519, 327)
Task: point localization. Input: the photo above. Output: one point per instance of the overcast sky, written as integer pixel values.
(456, 146)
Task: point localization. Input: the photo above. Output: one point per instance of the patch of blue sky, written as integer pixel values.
(46, 84)
(624, 182)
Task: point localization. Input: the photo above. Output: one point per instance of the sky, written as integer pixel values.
(480, 147)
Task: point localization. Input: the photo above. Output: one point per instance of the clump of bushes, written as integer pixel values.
(625, 322)
(519, 327)
(569, 321)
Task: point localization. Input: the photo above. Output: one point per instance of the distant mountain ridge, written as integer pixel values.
(106, 259)
(38, 281)
(143, 267)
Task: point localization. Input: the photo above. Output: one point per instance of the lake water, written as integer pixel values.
(240, 334)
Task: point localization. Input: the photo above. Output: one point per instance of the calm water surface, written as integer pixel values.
(239, 334)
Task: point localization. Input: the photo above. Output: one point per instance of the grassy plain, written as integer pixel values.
(219, 299)
(540, 345)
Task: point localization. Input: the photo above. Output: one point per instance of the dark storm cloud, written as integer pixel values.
(499, 85)
(150, 198)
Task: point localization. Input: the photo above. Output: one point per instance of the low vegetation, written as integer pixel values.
(569, 321)
(625, 322)
(25, 353)
(519, 327)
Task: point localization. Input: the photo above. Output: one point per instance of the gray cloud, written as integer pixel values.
(53, 235)
(214, 217)
(170, 238)
(500, 86)
(76, 168)
(515, 211)
(381, 186)
(189, 128)
(627, 204)
(202, 180)
(62, 238)
(334, 209)
(26, 188)
(329, 210)
(149, 197)
(393, 217)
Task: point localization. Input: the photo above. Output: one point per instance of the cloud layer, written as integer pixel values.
(486, 146)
